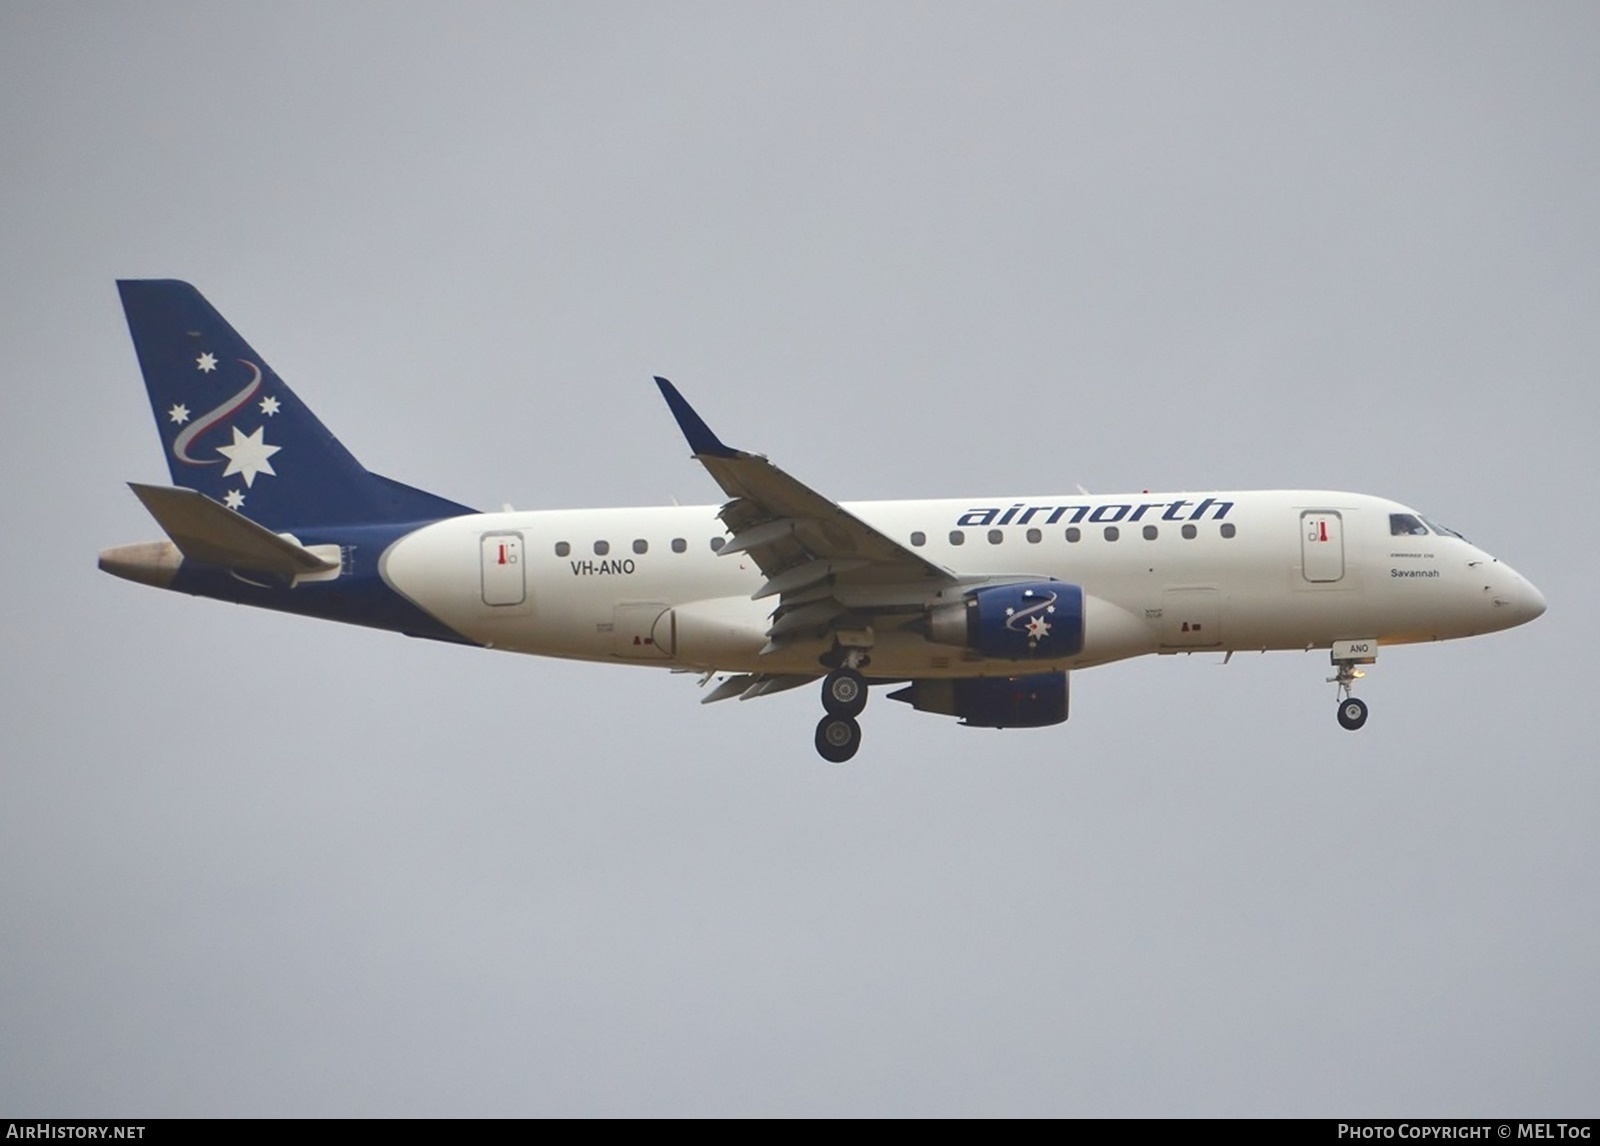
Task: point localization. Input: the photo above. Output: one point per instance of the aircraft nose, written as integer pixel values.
(1531, 601)
(1519, 597)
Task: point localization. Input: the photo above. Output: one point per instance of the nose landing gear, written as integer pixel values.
(1352, 713)
(1346, 655)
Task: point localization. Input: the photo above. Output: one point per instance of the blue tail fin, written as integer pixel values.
(235, 432)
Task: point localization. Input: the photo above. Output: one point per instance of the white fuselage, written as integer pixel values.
(1282, 569)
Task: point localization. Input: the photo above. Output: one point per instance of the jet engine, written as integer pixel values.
(993, 701)
(1036, 620)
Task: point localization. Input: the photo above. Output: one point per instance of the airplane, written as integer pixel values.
(976, 608)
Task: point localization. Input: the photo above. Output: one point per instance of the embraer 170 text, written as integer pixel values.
(977, 608)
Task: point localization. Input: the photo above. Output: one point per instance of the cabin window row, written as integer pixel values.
(1111, 533)
(640, 545)
(1189, 531)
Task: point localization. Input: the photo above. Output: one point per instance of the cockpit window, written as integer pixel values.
(1406, 525)
(1443, 530)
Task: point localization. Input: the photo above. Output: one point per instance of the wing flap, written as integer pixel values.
(757, 536)
(748, 686)
(804, 576)
(814, 614)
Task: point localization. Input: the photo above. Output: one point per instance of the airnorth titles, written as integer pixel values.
(1021, 514)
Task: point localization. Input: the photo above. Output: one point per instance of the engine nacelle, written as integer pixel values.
(993, 701)
(1036, 620)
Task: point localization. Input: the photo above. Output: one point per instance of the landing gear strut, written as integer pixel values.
(844, 695)
(1352, 713)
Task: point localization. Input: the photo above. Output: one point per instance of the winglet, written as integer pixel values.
(702, 441)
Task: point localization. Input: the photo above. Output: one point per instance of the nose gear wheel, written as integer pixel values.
(1352, 713)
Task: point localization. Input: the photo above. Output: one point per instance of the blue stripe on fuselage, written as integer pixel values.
(358, 596)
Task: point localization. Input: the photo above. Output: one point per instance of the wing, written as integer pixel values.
(829, 570)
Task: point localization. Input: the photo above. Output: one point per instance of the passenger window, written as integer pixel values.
(1227, 529)
(1189, 532)
(641, 546)
(717, 543)
(957, 537)
(1150, 532)
(562, 549)
(601, 548)
(1112, 533)
(679, 545)
(996, 537)
(1034, 537)
(919, 538)
(1406, 525)
(1074, 534)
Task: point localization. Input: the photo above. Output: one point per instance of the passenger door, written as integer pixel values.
(500, 560)
(1322, 546)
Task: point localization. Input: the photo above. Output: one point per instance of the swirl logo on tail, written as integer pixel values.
(180, 446)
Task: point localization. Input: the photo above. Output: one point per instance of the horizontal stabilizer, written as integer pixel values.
(208, 531)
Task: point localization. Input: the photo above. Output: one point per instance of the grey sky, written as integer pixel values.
(250, 864)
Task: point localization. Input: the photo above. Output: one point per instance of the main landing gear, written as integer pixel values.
(844, 695)
(1352, 713)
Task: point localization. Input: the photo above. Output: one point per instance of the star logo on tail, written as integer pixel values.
(248, 456)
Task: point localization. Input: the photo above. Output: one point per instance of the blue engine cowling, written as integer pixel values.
(1035, 620)
(993, 701)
